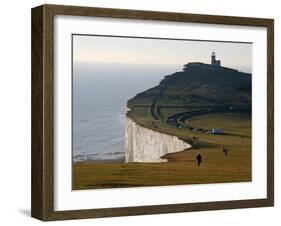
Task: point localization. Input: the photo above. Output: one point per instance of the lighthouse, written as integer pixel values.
(214, 62)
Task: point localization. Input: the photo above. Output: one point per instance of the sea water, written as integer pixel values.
(99, 97)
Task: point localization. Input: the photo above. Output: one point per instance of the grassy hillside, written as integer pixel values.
(199, 85)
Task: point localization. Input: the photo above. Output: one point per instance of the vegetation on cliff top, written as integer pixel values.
(199, 85)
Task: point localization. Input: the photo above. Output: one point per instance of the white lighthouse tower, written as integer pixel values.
(214, 62)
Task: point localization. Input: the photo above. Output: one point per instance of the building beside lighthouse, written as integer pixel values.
(214, 62)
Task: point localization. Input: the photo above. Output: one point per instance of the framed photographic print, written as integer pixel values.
(142, 112)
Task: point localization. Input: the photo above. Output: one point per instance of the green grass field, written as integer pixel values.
(181, 167)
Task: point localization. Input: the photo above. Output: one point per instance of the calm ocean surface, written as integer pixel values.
(100, 94)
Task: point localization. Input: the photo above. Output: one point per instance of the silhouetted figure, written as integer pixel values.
(199, 159)
(225, 151)
(195, 140)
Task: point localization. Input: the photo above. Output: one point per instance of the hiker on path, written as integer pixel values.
(225, 151)
(199, 159)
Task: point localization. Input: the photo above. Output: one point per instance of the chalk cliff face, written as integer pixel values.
(146, 145)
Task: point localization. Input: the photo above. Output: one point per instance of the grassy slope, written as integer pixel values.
(215, 168)
(181, 168)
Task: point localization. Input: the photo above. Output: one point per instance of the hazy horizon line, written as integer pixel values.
(239, 68)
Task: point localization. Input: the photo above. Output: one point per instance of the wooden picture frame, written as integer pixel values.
(43, 112)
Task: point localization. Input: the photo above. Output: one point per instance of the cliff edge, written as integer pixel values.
(147, 145)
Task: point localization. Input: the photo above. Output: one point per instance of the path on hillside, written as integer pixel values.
(179, 119)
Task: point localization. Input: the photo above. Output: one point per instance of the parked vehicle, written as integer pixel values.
(216, 131)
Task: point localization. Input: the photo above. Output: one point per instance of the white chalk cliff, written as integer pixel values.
(146, 145)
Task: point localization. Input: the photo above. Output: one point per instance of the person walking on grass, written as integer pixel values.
(199, 159)
(225, 151)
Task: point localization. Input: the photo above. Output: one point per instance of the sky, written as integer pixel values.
(145, 51)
